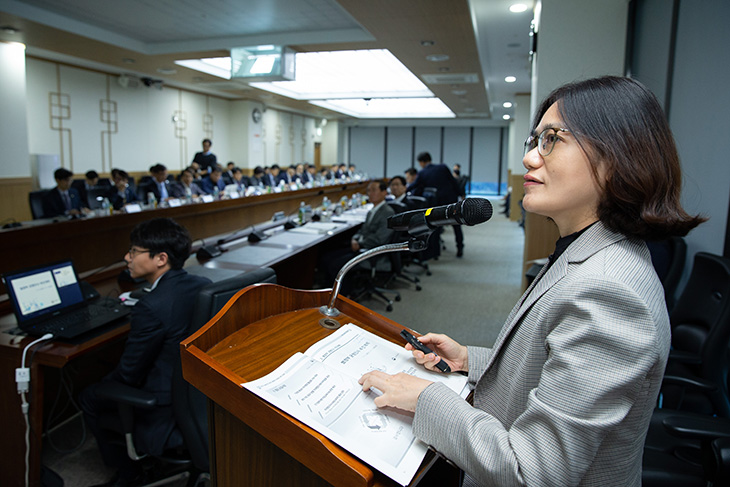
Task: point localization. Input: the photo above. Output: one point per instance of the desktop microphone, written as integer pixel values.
(470, 211)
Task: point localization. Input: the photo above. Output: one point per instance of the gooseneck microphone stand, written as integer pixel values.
(419, 232)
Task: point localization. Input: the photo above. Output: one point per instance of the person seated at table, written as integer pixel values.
(239, 180)
(186, 186)
(158, 185)
(287, 176)
(91, 179)
(120, 194)
(258, 177)
(212, 181)
(397, 186)
(373, 233)
(227, 175)
(63, 199)
(271, 178)
(159, 322)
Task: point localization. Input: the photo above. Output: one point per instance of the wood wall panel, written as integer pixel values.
(14, 199)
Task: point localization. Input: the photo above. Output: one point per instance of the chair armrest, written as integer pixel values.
(692, 383)
(126, 394)
(704, 428)
(685, 357)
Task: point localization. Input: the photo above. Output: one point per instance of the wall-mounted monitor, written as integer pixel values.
(263, 63)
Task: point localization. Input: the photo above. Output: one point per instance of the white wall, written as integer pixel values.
(15, 160)
(147, 125)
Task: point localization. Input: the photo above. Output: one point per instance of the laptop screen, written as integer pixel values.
(43, 291)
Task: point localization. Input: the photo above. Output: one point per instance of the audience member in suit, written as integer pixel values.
(411, 174)
(397, 186)
(239, 180)
(461, 180)
(158, 185)
(120, 194)
(301, 174)
(351, 171)
(258, 177)
(287, 176)
(206, 160)
(565, 395)
(227, 175)
(186, 186)
(159, 321)
(271, 179)
(91, 179)
(438, 176)
(373, 233)
(311, 171)
(339, 172)
(213, 181)
(63, 199)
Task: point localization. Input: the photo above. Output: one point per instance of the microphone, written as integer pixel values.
(470, 211)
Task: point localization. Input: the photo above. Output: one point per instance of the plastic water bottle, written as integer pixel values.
(188, 195)
(106, 207)
(151, 200)
(302, 212)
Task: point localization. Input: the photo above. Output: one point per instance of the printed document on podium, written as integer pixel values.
(320, 389)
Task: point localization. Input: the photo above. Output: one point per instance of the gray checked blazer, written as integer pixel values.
(565, 395)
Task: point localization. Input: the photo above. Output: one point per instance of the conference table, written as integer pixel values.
(96, 246)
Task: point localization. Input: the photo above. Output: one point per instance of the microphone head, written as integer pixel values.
(475, 211)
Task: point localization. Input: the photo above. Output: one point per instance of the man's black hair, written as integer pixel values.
(163, 235)
(91, 174)
(208, 141)
(424, 157)
(158, 168)
(62, 174)
(399, 177)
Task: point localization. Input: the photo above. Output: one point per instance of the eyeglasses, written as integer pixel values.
(545, 142)
(134, 252)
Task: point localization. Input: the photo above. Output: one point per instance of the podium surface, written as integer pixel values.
(253, 442)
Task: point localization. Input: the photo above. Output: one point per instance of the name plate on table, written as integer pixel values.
(132, 208)
(207, 198)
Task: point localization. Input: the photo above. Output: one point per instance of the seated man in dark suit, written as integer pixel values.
(374, 232)
(158, 185)
(213, 181)
(186, 187)
(63, 199)
(397, 186)
(83, 186)
(120, 194)
(438, 176)
(159, 322)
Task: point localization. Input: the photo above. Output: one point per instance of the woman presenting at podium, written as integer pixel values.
(565, 395)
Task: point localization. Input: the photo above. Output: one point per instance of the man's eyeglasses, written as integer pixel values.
(133, 252)
(545, 142)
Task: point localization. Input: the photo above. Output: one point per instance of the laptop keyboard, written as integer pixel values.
(78, 318)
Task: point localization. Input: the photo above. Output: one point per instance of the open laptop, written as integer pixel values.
(49, 299)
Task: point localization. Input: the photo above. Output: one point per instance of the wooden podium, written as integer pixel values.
(254, 443)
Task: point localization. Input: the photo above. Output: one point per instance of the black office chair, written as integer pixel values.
(96, 196)
(35, 198)
(402, 259)
(189, 404)
(710, 468)
(668, 257)
(420, 258)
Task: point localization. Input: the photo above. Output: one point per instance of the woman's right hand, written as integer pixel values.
(452, 352)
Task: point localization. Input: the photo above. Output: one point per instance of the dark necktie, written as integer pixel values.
(66, 200)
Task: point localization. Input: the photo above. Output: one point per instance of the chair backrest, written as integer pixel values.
(189, 404)
(416, 202)
(397, 206)
(431, 195)
(678, 248)
(701, 318)
(35, 198)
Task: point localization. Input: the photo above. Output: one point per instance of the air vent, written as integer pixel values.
(227, 86)
(451, 78)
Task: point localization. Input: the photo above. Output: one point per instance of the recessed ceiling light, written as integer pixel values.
(507, 104)
(510, 79)
(128, 60)
(167, 71)
(518, 8)
(505, 117)
(469, 109)
(9, 29)
(437, 58)
(444, 69)
(427, 43)
(458, 92)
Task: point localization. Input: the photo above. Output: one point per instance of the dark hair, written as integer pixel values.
(62, 174)
(423, 157)
(258, 170)
(412, 171)
(401, 178)
(158, 168)
(382, 184)
(620, 125)
(163, 235)
(208, 141)
(120, 172)
(91, 174)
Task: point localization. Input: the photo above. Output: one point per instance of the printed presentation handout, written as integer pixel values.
(319, 388)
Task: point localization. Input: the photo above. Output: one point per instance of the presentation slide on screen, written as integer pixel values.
(35, 293)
